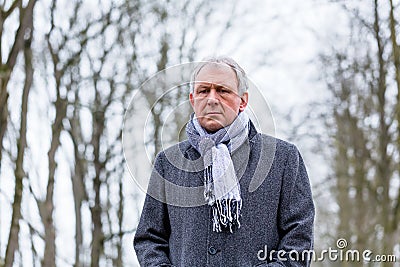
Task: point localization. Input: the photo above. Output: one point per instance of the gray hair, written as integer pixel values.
(240, 74)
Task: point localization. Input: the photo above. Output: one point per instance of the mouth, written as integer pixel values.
(212, 113)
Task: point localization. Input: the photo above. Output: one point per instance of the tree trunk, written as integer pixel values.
(25, 25)
(47, 207)
(119, 262)
(383, 168)
(12, 244)
(97, 232)
(396, 63)
(78, 189)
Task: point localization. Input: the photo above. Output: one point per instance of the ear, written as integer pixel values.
(244, 100)
(191, 99)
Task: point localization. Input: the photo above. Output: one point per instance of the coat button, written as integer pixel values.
(212, 250)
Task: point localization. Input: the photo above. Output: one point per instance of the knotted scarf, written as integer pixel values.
(222, 189)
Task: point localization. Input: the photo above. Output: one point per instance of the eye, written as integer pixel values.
(203, 90)
(223, 91)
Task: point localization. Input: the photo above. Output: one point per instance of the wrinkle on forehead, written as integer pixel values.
(218, 67)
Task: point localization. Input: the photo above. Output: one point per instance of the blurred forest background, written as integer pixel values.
(329, 69)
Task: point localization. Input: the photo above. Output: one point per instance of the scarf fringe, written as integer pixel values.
(223, 217)
(208, 184)
(226, 212)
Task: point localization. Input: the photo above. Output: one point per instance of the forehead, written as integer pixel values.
(217, 73)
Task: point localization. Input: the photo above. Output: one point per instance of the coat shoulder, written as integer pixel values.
(182, 146)
(180, 150)
(280, 145)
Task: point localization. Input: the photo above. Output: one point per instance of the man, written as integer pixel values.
(270, 225)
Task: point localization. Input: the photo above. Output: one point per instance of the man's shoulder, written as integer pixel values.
(279, 144)
(177, 150)
(183, 146)
(277, 151)
(263, 141)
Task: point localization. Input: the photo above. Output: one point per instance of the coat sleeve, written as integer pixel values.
(151, 241)
(296, 215)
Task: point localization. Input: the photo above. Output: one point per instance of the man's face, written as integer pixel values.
(215, 99)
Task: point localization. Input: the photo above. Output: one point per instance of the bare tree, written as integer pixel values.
(396, 63)
(25, 26)
(23, 40)
(363, 137)
(61, 68)
(94, 152)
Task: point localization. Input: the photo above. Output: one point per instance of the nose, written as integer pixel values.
(212, 97)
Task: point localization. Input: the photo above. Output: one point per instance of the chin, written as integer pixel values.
(213, 127)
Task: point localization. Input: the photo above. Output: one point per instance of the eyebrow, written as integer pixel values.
(208, 84)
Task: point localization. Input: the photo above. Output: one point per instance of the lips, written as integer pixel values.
(213, 113)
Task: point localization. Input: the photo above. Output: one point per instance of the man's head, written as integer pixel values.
(218, 92)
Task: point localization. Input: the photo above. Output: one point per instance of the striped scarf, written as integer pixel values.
(222, 189)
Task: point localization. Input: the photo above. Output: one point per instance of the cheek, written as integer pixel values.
(198, 105)
(233, 106)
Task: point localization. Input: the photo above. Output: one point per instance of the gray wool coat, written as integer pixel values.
(277, 211)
